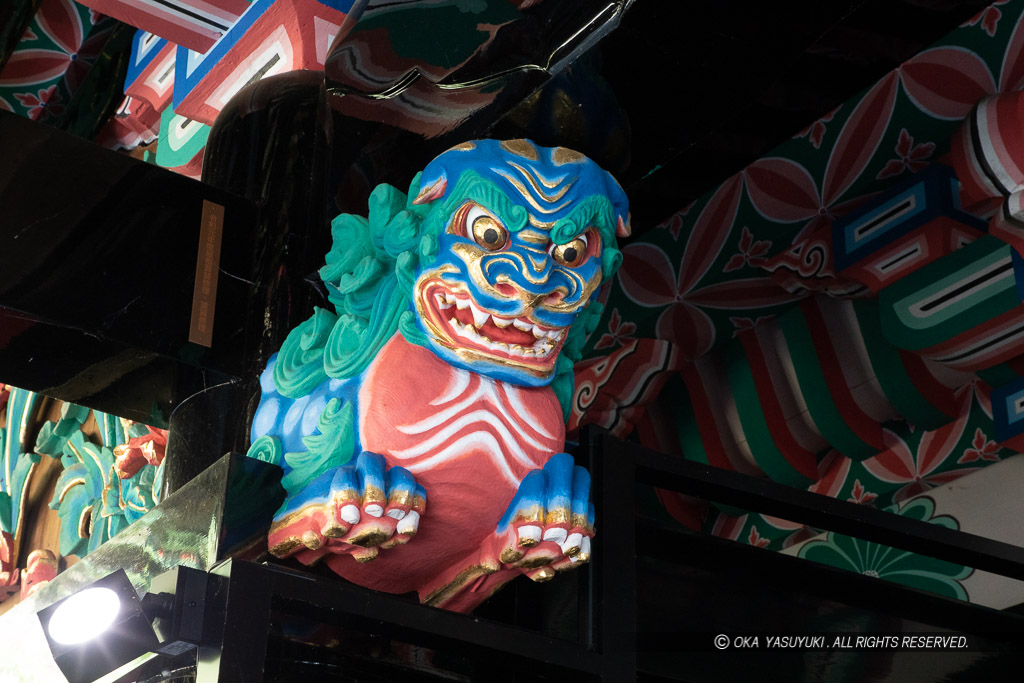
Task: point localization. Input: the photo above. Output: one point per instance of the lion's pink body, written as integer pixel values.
(469, 441)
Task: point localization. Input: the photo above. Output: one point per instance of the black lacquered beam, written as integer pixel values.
(788, 574)
(819, 511)
(331, 601)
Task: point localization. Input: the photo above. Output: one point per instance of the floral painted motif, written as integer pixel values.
(816, 131)
(43, 105)
(910, 157)
(618, 333)
(649, 278)
(981, 448)
(988, 18)
(52, 58)
(754, 539)
(917, 469)
(675, 224)
(860, 494)
(751, 253)
(891, 564)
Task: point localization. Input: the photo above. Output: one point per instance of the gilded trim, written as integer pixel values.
(520, 148)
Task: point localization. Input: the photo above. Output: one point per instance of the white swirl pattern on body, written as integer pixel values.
(480, 415)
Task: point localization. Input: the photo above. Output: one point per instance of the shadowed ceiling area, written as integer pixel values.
(710, 87)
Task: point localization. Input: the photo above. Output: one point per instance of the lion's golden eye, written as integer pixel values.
(572, 253)
(487, 231)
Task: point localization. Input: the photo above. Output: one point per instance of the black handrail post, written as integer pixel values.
(613, 572)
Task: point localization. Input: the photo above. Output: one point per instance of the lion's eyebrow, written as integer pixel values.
(533, 237)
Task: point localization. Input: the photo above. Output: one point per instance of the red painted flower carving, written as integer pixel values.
(754, 538)
(751, 253)
(911, 157)
(860, 494)
(988, 17)
(149, 449)
(816, 131)
(42, 106)
(618, 332)
(982, 449)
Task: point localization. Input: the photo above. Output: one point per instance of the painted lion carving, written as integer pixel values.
(431, 404)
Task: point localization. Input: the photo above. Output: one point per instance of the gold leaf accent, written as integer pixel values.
(545, 574)
(564, 155)
(286, 547)
(446, 593)
(369, 538)
(521, 148)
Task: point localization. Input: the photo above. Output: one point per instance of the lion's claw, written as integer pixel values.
(548, 525)
(352, 510)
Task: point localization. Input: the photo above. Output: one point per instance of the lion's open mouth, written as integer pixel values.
(459, 322)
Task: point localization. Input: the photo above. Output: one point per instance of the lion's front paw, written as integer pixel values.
(357, 510)
(548, 525)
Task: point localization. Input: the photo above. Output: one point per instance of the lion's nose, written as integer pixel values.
(555, 297)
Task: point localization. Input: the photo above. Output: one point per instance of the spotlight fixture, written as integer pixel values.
(97, 629)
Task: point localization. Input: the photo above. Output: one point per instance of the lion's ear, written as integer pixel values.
(623, 228)
(432, 191)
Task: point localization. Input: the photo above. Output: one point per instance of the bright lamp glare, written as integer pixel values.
(84, 616)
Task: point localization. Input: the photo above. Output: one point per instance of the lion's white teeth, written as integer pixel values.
(501, 322)
(522, 325)
(442, 304)
(538, 333)
(479, 317)
(462, 304)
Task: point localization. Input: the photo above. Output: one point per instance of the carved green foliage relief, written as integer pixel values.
(92, 501)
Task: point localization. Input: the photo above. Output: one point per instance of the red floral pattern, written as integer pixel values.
(42, 106)
(754, 538)
(921, 469)
(675, 224)
(860, 494)
(816, 131)
(751, 253)
(618, 332)
(988, 17)
(910, 157)
(983, 449)
(946, 82)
